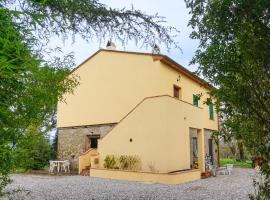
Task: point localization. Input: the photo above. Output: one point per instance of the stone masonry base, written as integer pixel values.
(72, 141)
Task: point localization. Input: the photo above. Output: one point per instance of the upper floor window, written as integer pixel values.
(176, 92)
(195, 100)
(211, 110)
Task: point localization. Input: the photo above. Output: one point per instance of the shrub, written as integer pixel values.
(129, 162)
(152, 167)
(125, 162)
(33, 151)
(110, 162)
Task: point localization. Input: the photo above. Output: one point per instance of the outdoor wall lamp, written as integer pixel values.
(178, 78)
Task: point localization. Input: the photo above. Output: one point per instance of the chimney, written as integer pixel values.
(156, 49)
(111, 45)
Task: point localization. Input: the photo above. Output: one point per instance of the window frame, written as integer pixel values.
(195, 100)
(178, 89)
(211, 110)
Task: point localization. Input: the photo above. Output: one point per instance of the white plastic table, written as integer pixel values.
(58, 163)
(222, 169)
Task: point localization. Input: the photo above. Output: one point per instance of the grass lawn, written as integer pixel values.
(224, 161)
(25, 171)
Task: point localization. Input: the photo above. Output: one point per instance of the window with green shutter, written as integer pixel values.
(211, 111)
(195, 100)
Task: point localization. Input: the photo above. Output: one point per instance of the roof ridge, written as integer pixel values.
(165, 59)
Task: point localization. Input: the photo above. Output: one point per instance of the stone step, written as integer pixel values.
(85, 172)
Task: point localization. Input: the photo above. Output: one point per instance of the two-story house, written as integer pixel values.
(138, 104)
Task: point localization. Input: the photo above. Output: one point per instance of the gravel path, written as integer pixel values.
(236, 186)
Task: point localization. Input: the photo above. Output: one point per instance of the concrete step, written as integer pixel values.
(85, 172)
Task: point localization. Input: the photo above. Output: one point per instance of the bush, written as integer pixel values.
(125, 162)
(110, 162)
(129, 162)
(33, 151)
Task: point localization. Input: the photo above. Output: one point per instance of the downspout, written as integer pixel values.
(218, 154)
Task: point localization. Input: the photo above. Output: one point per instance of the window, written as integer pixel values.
(211, 110)
(195, 100)
(176, 92)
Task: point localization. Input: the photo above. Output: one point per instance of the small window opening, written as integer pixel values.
(176, 92)
(195, 100)
(211, 110)
(94, 141)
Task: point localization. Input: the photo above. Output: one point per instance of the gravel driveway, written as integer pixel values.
(236, 186)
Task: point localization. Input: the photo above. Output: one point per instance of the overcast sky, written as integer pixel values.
(176, 15)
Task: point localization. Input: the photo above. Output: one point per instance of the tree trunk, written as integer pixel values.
(241, 150)
(218, 155)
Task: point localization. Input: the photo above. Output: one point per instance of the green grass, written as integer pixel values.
(224, 161)
(20, 171)
(25, 171)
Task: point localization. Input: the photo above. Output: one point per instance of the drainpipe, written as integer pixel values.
(218, 156)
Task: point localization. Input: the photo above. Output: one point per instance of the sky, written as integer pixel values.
(176, 15)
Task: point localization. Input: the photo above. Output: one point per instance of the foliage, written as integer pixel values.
(224, 161)
(30, 89)
(54, 147)
(234, 56)
(110, 162)
(124, 162)
(91, 19)
(261, 190)
(129, 162)
(33, 79)
(32, 151)
(152, 167)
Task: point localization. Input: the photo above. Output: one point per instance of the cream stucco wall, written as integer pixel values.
(112, 83)
(188, 87)
(163, 178)
(159, 129)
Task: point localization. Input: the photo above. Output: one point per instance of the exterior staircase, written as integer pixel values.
(86, 161)
(85, 171)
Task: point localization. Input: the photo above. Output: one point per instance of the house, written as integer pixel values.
(143, 104)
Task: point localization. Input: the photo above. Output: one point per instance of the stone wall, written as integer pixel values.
(74, 140)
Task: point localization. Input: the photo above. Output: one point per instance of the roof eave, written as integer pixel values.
(185, 71)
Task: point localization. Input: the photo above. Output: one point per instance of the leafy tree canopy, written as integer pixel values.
(234, 55)
(91, 19)
(33, 150)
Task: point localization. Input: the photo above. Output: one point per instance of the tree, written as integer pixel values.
(32, 79)
(90, 19)
(33, 150)
(54, 146)
(234, 55)
(30, 89)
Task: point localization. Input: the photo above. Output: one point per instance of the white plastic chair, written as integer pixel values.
(229, 168)
(65, 166)
(52, 166)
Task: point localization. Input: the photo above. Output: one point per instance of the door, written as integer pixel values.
(210, 145)
(94, 142)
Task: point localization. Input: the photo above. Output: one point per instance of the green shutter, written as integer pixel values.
(195, 100)
(211, 111)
